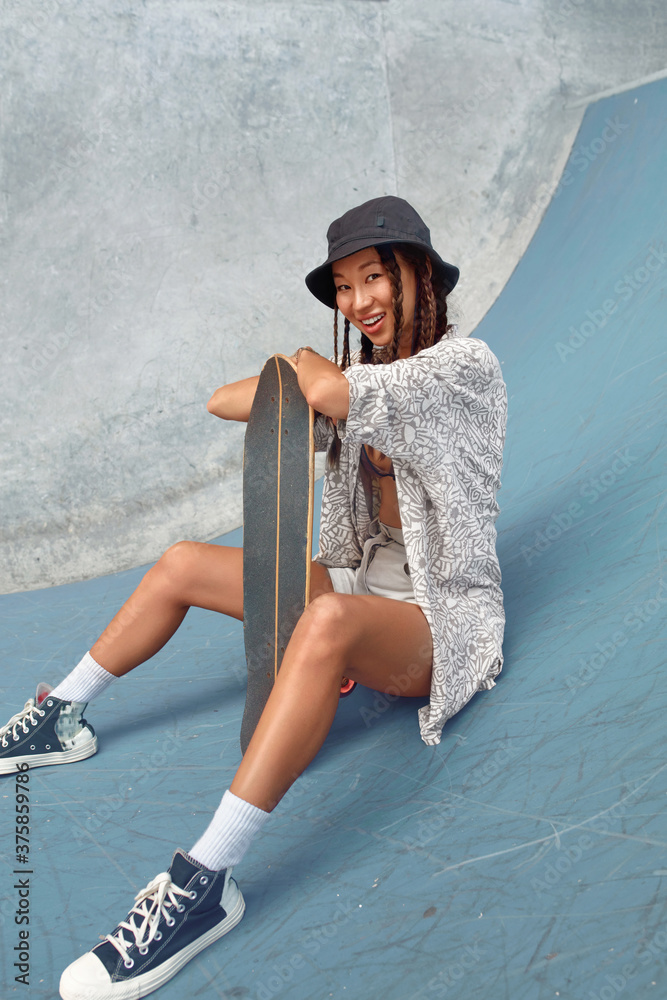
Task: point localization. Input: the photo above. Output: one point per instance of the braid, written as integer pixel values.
(345, 360)
(426, 310)
(346, 345)
(393, 270)
(417, 317)
(336, 333)
(431, 302)
(333, 454)
(366, 350)
(442, 329)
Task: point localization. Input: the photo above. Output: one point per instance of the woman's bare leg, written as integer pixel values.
(384, 644)
(189, 574)
(381, 643)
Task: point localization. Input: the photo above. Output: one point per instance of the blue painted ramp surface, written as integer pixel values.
(524, 857)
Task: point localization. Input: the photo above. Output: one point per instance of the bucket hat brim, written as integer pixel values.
(376, 222)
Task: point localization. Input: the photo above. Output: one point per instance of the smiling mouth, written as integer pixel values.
(373, 321)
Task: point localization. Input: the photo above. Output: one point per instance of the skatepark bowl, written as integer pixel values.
(524, 856)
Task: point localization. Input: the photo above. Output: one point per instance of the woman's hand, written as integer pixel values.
(325, 387)
(294, 358)
(323, 384)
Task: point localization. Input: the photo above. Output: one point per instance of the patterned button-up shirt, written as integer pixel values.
(441, 418)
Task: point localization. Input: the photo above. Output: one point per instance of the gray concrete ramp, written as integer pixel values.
(168, 171)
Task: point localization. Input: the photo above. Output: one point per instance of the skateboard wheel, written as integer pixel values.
(347, 687)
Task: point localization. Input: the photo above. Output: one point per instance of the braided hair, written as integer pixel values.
(429, 323)
(345, 360)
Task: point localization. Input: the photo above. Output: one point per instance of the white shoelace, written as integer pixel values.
(27, 714)
(150, 906)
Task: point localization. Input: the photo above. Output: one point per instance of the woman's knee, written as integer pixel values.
(177, 566)
(330, 619)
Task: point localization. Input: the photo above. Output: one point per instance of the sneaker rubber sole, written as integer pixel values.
(87, 749)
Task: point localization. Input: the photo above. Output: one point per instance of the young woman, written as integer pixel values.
(405, 590)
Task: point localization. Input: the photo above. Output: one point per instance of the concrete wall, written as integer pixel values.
(168, 173)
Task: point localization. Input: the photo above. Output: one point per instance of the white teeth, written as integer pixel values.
(373, 320)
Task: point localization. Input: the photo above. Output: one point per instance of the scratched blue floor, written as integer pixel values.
(523, 858)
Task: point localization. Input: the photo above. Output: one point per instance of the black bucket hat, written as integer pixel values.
(380, 220)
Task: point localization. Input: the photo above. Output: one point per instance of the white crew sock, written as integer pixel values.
(85, 682)
(229, 834)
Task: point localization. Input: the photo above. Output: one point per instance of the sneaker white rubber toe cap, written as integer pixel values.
(85, 978)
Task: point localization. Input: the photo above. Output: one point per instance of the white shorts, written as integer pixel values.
(384, 570)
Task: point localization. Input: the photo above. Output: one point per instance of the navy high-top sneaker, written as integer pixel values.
(175, 917)
(47, 731)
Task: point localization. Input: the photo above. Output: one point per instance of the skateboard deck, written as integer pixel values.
(278, 482)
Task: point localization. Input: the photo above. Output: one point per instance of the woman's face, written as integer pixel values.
(364, 295)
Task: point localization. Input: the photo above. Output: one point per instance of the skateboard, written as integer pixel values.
(278, 482)
(278, 485)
